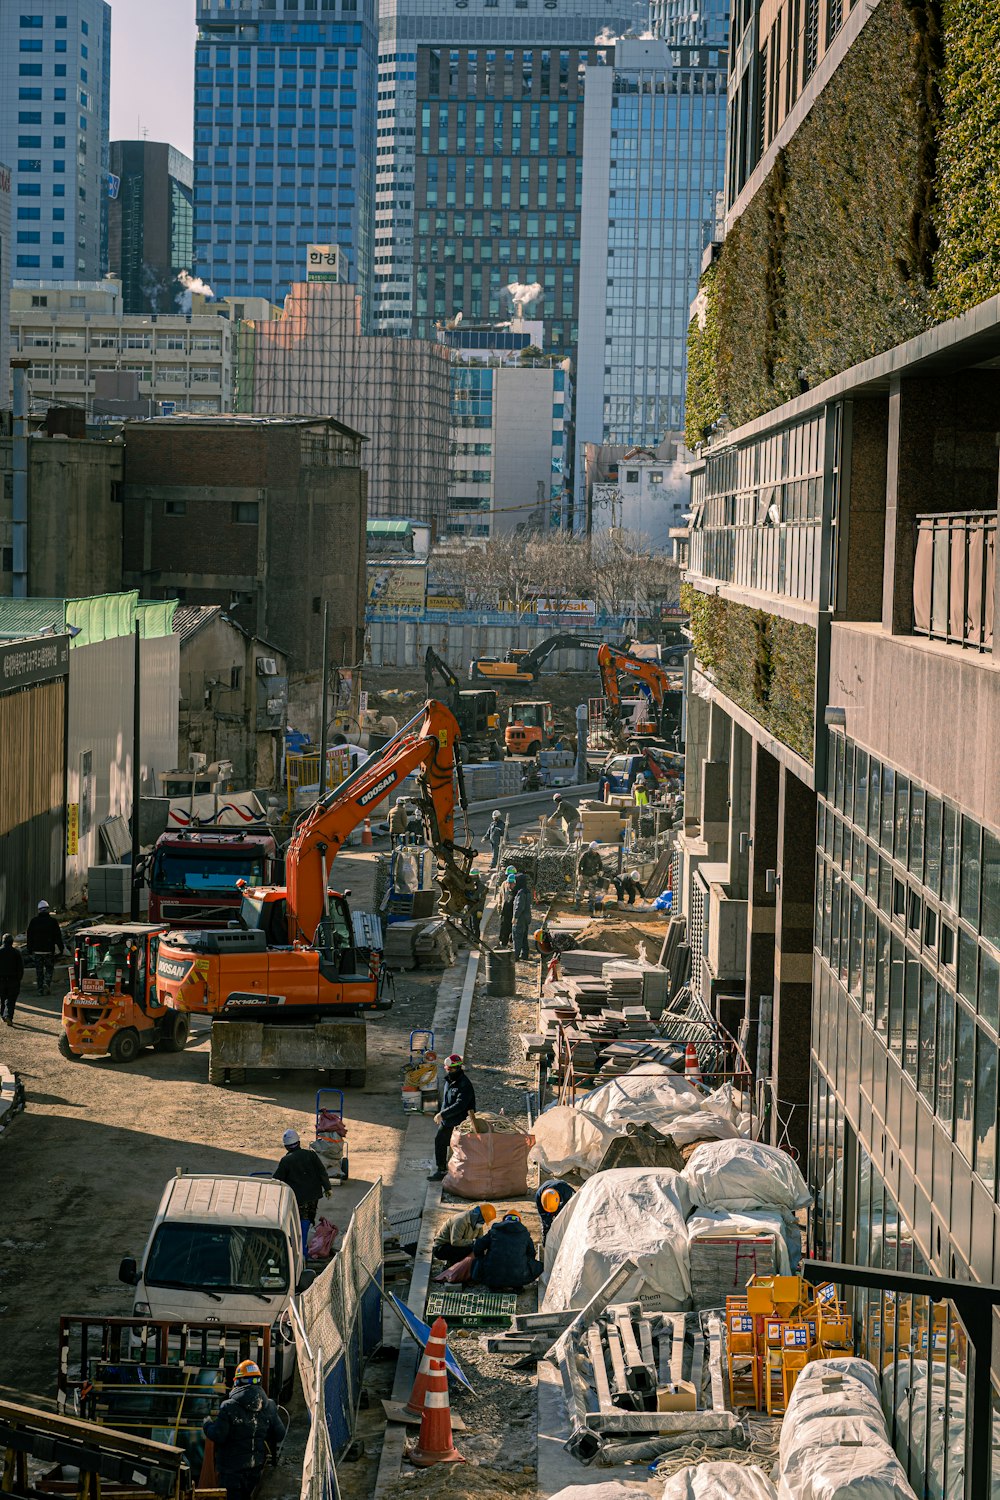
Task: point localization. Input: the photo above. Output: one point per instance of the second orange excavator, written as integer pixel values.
(665, 696)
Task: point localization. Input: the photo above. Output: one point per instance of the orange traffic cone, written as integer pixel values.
(366, 834)
(691, 1068)
(435, 1445)
(415, 1402)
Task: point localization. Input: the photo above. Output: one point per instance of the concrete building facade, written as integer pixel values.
(74, 331)
(643, 490)
(315, 360)
(284, 126)
(150, 224)
(55, 92)
(264, 516)
(74, 517)
(653, 162)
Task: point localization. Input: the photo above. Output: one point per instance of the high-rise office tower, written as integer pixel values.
(478, 149)
(55, 58)
(149, 223)
(284, 124)
(653, 168)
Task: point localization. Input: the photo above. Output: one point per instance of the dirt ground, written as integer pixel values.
(401, 693)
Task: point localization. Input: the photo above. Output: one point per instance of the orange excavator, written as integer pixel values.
(664, 698)
(299, 960)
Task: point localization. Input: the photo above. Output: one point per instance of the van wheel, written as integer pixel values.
(125, 1046)
(66, 1051)
(174, 1035)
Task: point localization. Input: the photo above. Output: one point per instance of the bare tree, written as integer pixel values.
(629, 577)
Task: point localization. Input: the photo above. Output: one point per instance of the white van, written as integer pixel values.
(227, 1250)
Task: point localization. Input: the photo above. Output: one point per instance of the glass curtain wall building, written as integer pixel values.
(653, 167)
(55, 103)
(150, 223)
(284, 124)
(498, 54)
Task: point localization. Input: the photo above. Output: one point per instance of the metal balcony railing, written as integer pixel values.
(954, 576)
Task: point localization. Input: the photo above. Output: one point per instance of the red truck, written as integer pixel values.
(192, 876)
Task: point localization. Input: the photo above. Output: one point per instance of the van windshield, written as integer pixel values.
(226, 1258)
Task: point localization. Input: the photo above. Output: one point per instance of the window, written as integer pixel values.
(656, 477)
(174, 507)
(965, 1080)
(245, 512)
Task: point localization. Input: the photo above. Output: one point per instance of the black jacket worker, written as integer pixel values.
(43, 941)
(505, 1257)
(11, 974)
(247, 1427)
(458, 1103)
(306, 1175)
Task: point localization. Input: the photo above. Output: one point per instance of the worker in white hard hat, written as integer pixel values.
(43, 940)
(307, 1177)
(398, 819)
(590, 876)
(494, 836)
(628, 887)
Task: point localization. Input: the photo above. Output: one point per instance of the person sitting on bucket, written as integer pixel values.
(458, 1236)
(504, 1259)
(550, 1200)
(247, 1427)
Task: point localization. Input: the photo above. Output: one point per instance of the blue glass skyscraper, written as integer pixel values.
(653, 167)
(284, 140)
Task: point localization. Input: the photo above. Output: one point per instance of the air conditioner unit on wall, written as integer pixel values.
(267, 666)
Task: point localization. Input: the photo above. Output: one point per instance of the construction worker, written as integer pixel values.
(399, 817)
(589, 876)
(508, 891)
(494, 837)
(550, 946)
(458, 1102)
(521, 919)
(505, 1256)
(640, 794)
(564, 813)
(247, 1428)
(11, 974)
(43, 941)
(628, 887)
(550, 1200)
(307, 1177)
(456, 1239)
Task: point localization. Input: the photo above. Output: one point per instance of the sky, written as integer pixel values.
(152, 71)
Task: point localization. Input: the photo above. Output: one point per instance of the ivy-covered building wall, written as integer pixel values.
(879, 218)
(765, 664)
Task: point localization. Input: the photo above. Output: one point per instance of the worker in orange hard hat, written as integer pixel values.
(247, 1428)
(550, 1200)
(456, 1239)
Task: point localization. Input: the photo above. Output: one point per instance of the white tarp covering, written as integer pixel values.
(719, 1481)
(909, 1386)
(608, 1489)
(834, 1442)
(716, 1222)
(744, 1174)
(629, 1213)
(649, 1093)
(703, 1125)
(569, 1140)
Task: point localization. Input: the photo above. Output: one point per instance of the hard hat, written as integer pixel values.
(557, 796)
(487, 1212)
(43, 906)
(247, 1372)
(510, 870)
(593, 843)
(512, 1215)
(512, 880)
(452, 1062)
(291, 1137)
(551, 1201)
(633, 874)
(496, 813)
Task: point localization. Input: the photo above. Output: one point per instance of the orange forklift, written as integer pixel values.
(530, 727)
(112, 1005)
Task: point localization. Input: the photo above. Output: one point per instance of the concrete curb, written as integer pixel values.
(391, 1459)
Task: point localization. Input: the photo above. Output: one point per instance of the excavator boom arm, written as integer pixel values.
(428, 744)
(614, 663)
(533, 661)
(435, 664)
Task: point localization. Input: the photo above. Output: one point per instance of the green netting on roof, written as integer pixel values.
(105, 617)
(24, 617)
(156, 618)
(389, 528)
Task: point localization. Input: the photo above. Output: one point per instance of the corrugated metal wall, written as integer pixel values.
(32, 730)
(403, 643)
(100, 724)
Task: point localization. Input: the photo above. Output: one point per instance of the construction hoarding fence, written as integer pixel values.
(338, 1326)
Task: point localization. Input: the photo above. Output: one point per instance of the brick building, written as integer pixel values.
(263, 516)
